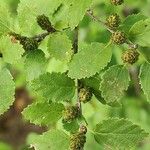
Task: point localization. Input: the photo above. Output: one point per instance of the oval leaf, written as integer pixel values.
(89, 60)
(118, 133)
(114, 82)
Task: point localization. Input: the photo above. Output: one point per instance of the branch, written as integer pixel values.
(75, 48)
(94, 18)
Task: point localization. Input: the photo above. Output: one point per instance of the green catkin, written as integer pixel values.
(118, 37)
(130, 56)
(85, 95)
(70, 113)
(117, 2)
(113, 21)
(27, 43)
(78, 140)
(44, 22)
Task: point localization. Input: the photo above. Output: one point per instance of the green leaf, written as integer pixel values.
(54, 87)
(35, 64)
(119, 133)
(89, 60)
(140, 33)
(60, 47)
(77, 10)
(7, 90)
(70, 13)
(145, 80)
(71, 127)
(57, 66)
(51, 140)
(114, 82)
(62, 13)
(43, 113)
(94, 84)
(28, 11)
(5, 19)
(11, 51)
(130, 21)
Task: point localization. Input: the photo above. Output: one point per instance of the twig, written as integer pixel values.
(91, 15)
(75, 48)
(134, 75)
(41, 37)
(132, 45)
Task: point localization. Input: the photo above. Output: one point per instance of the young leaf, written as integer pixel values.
(114, 82)
(7, 90)
(145, 80)
(35, 64)
(43, 113)
(54, 87)
(60, 47)
(89, 60)
(119, 133)
(11, 51)
(51, 140)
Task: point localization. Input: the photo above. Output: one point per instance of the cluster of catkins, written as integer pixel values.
(71, 113)
(118, 37)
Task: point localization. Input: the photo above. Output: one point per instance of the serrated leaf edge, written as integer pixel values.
(102, 81)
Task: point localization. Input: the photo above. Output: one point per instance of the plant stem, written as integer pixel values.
(75, 48)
